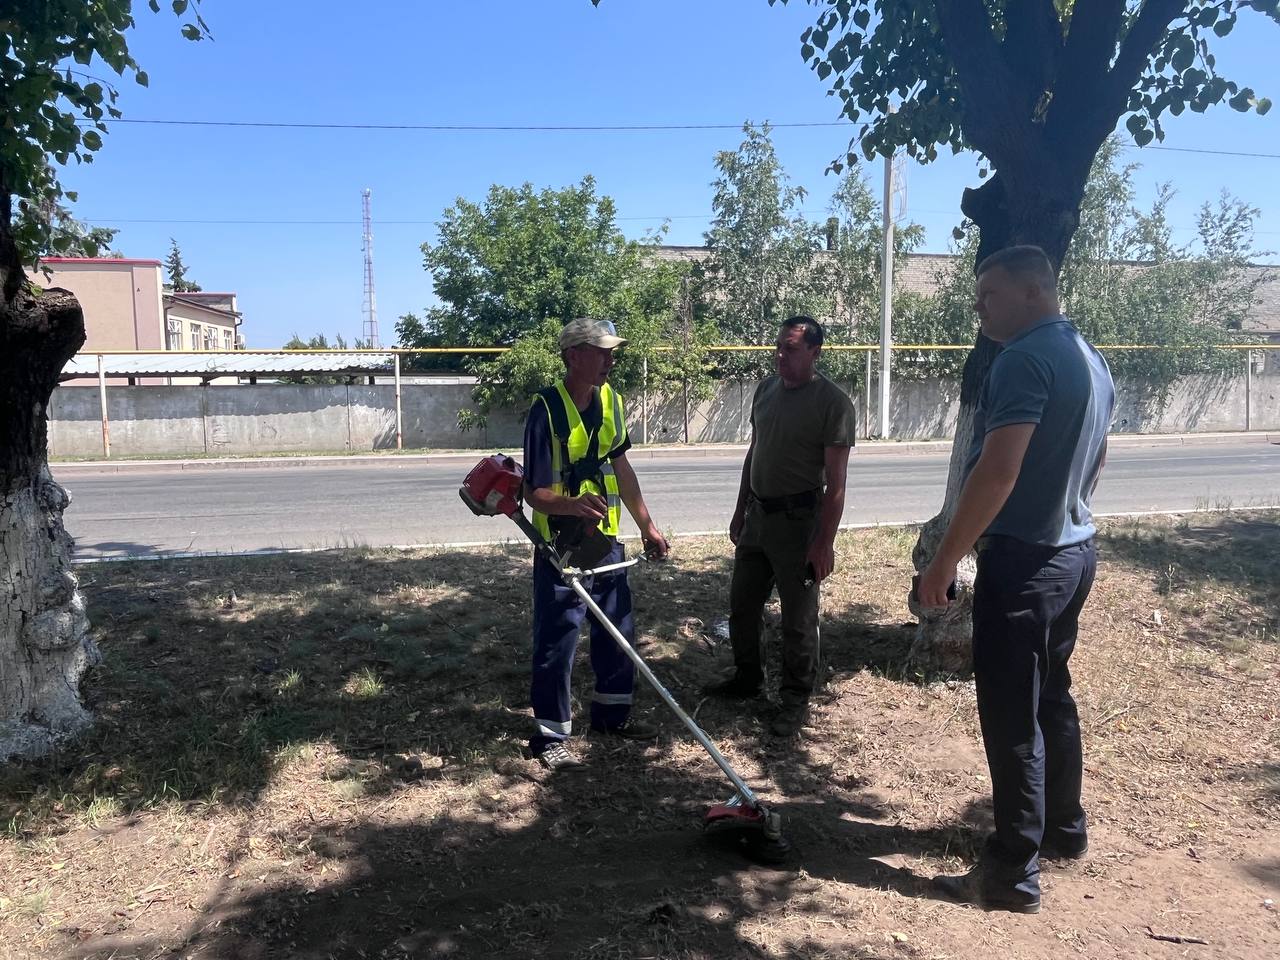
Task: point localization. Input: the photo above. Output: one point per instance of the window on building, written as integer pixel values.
(173, 328)
(195, 336)
(227, 342)
(211, 338)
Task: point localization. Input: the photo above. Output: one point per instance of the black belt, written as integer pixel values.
(795, 501)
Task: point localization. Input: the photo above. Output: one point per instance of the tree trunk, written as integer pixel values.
(944, 642)
(45, 645)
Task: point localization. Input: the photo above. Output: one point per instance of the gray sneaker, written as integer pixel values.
(557, 758)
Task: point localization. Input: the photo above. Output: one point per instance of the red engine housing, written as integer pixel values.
(493, 487)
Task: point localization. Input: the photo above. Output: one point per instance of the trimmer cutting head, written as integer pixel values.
(753, 831)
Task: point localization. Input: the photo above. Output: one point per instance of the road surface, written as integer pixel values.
(392, 501)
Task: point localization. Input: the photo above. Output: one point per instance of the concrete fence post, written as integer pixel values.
(399, 415)
(204, 415)
(1248, 390)
(102, 402)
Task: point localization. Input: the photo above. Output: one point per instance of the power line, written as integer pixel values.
(110, 221)
(475, 128)
(321, 223)
(579, 128)
(1216, 153)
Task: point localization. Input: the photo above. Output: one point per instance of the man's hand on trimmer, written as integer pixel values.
(589, 505)
(655, 544)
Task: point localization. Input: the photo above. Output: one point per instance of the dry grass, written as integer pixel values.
(331, 765)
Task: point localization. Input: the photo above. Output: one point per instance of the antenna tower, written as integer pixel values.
(370, 297)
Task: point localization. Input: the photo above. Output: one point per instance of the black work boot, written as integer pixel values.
(629, 729)
(990, 889)
(789, 720)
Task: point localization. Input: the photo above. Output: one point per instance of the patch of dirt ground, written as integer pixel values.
(321, 756)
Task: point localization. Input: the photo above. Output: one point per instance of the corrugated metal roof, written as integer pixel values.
(227, 364)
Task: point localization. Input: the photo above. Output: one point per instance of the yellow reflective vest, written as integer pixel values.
(580, 459)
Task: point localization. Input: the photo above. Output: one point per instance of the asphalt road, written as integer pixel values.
(390, 501)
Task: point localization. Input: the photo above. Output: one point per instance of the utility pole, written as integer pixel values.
(370, 297)
(886, 297)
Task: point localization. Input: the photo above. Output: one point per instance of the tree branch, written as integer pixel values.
(994, 98)
(1135, 50)
(12, 276)
(1091, 40)
(1092, 92)
(1033, 42)
(1075, 117)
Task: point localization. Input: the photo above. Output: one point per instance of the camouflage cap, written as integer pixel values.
(585, 330)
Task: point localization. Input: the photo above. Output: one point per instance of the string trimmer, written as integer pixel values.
(494, 488)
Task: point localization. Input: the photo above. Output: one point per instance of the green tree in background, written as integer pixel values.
(178, 281)
(851, 274)
(511, 270)
(321, 342)
(763, 254)
(66, 236)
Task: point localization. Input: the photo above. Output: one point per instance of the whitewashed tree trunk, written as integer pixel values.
(944, 642)
(45, 646)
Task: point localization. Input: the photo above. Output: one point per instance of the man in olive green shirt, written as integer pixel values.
(790, 502)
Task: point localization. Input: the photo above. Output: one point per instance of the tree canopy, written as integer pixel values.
(1035, 86)
(508, 271)
(56, 105)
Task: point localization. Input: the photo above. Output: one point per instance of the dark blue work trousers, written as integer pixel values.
(557, 622)
(1026, 610)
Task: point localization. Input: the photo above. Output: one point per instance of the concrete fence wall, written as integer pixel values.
(265, 418)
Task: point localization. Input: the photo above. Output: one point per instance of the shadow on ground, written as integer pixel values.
(220, 672)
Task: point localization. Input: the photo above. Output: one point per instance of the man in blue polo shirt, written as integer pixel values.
(1039, 443)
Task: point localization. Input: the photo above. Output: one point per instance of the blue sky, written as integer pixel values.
(294, 256)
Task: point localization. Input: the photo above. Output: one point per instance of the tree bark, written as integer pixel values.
(45, 645)
(1048, 218)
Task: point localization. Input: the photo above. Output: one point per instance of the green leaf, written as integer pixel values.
(1184, 55)
(824, 70)
(91, 139)
(142, 78)
(191, 31)
(154, 5)
(1136, 124)
(806, 52)
(862, 17)
(180, 7)
(1264, 105)
(819, 39)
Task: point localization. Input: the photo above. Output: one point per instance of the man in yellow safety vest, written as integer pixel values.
(577, 474)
